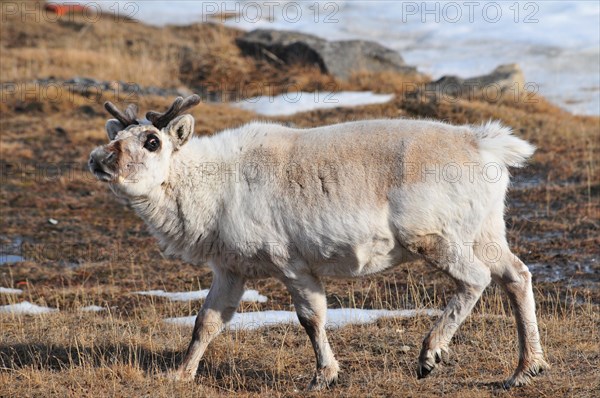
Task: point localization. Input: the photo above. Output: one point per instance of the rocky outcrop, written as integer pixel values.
(89, 87)
(338, 58)
(501, 79)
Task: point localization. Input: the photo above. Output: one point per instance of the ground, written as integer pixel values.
(99, 252)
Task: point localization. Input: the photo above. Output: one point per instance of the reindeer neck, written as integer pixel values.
(182, 213)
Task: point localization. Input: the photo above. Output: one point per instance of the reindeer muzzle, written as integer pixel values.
(103, 164)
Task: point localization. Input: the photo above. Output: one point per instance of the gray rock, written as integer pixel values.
(338, 58)
(503, 78)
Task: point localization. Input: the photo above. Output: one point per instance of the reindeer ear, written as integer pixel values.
(113, 126)
(180, 129)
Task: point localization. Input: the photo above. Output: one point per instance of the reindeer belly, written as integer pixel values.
(362, 259)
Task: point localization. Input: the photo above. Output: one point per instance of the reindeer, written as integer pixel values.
(345, 200)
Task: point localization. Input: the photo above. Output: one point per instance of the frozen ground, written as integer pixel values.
(92, 308)
(290, 103)
(27, 308)
(249, 295)
(336, 318)
(8, 290)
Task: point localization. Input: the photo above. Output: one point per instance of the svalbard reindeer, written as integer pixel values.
(345, 200)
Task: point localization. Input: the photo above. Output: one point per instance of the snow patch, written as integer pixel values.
(249, 295)
(295, 102)
(92, 308)
(10, 259)
(336, 318)
(7, 290)
(26, 308)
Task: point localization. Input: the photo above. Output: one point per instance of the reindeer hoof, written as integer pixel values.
(428, 361)
(524, 374)
(324, 378)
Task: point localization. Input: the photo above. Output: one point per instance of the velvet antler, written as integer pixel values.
(160, 120)
(128, 118)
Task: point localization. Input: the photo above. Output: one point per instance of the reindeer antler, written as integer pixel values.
(128, 118)
(160, 120)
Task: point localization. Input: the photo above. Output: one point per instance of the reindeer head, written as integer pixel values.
(138, 156)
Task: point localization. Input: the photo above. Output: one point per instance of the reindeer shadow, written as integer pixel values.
(58, 358)
(52, 357)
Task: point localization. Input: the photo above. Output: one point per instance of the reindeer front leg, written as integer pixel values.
(221, 303)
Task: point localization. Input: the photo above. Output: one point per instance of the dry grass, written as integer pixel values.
(92, 255)
(74, 354)
(199, 56)
(120, 353)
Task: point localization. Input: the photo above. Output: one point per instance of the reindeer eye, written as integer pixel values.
(152, 143)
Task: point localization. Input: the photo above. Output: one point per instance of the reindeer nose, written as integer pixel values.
(97, 157)
(100, 162)
(100, 157)
(93, 162)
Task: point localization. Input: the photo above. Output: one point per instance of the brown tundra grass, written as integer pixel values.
(93, 256)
